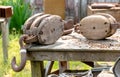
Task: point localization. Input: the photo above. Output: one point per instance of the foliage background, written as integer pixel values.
(21, 12)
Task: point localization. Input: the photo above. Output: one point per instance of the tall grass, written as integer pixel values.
(13, 50)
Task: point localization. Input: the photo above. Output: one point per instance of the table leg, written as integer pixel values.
(63, 65)
(37, 68)
(48, 68)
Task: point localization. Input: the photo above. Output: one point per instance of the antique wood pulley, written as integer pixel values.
(98, 26)
(42, 29)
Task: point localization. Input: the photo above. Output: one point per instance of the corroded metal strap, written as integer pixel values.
(116, 25)
(68, 26)
(31, 39)
(67, 31)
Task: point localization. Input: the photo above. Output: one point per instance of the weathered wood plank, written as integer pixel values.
(5, 11)
(78, 42)
(37, 69)
(74, 55)
(77, 48)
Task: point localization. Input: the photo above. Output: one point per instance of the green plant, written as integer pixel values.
(21, 12)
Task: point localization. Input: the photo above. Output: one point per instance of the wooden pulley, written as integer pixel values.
(98, 26)
(43, 28)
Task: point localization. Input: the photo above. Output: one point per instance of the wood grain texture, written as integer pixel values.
(5, 11)
(29, 22)
(75, 47)
(43, 28)
(112, 20)
(50, 29)
(83, 55)
(55, 7)
(98, 26)
(37, 69)
(93, 27)
(36, 23)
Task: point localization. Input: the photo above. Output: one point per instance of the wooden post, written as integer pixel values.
(37, 68)
(5, 13)
(5, 33)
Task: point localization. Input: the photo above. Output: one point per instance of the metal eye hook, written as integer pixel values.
(15, 67)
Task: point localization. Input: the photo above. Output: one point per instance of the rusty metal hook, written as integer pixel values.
(15, 67)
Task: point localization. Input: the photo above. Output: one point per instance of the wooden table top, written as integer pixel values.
(76, 47)
(78, 42)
